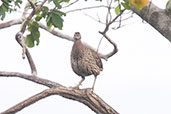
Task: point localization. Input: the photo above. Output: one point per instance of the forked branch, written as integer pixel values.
(20, 38)
(115, 49)
(85, 96)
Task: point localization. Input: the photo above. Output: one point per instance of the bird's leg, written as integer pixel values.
(77, 86)
(95, 77)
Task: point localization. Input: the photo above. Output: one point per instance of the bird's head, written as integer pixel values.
(77, 36)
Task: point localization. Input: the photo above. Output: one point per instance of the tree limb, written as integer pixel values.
(32, 78)
(56, 33)
(85, 96)
(20, 38)
(10, 23)
(156, 17)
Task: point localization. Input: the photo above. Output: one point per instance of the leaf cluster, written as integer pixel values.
(53, 17)
(8, 6)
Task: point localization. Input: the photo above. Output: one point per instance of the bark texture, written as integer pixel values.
(85, 96)
(160, 19)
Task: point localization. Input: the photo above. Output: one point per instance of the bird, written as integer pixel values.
(85, 61)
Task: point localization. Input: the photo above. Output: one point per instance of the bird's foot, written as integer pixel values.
(75, 87)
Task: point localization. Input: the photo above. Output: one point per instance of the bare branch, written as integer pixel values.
(20, 39)
(26, 103)
(115, 50)
(56, 33)
(98, 20)
(11, 23)
(32, 78)
(85, 96)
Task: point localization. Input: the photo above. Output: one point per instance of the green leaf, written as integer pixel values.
(33, 28)
(49, 1)
(36, 36)
(57, 3)
(49, 25)
(2, 13)
(18, 3)
(67, 1)
(126, 5)
(167, 4)
(29, 41)
(49, 16)
(57, 21)
(5, 7)
(118, 9)
(38, 17)
(60, 13)
(55, 18)
(44, 10)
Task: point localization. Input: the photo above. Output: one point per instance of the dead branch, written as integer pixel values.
(85, 96)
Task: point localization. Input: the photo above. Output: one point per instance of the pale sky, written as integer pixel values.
(137, 80)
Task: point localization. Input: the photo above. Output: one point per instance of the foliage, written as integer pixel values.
(33, 28)
(54, 16)
(167, 4)
(8, 6)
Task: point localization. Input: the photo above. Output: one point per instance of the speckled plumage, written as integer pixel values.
(84, 60)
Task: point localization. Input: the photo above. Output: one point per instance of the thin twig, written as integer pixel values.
(87, 8)
(70, 4)
(115, 50)
(99, 44)
(32, 4)
(98, 20)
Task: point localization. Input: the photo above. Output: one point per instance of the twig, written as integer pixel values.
(99, 44)
(87, 8)
(70, 4)
(120, 19)
(98, 20)
(32, 4)
(115, 50)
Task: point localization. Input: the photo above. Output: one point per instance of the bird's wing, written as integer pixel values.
(97, 59)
